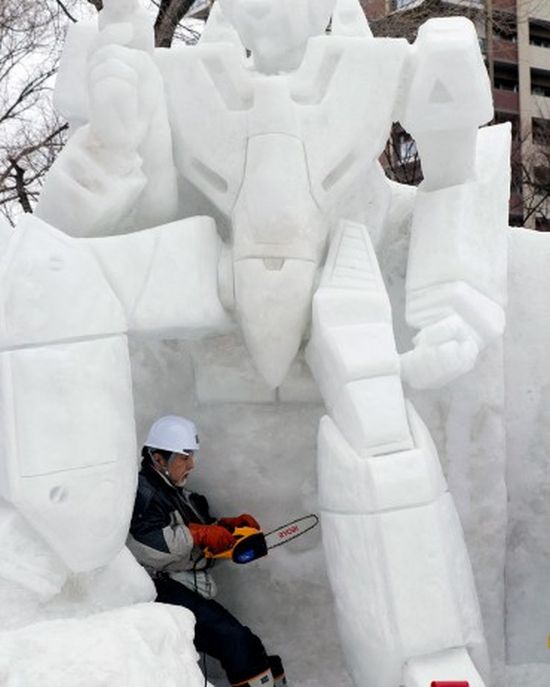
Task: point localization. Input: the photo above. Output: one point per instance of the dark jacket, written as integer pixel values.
(159, 537)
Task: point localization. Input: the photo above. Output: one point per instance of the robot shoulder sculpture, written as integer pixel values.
(445, 83)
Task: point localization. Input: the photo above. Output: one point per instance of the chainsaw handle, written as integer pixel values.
(238, 533)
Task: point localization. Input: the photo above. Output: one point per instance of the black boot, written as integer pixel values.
(264, 679)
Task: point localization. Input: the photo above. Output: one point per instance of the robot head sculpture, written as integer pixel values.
(118, 9)
(131, 17)
(276, 31)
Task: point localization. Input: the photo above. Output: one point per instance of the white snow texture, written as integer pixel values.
(226, 200)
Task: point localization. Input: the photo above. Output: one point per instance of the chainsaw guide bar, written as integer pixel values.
(253, 544)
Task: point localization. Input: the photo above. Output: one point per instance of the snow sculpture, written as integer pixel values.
(139, 646)
(68, 474)
(280, 148)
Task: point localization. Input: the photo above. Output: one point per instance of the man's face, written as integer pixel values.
(178, 466)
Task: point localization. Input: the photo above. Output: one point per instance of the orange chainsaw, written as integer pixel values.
(252, 544)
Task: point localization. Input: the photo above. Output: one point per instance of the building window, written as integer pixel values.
(542, 224)
(515, 220)
(401, 4)
(541, 131)
(406, 148)
(542, 176)
(540, 82)
(505, 26)
(506, 77)
(539, 33)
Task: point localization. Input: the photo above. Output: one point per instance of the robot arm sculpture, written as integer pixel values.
(455, 298)
(405, 596)
(117, 171)
(279, 144)
(68, 442)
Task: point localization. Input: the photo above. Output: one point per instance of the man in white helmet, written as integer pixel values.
(170, 529)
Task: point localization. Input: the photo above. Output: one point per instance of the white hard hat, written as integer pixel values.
(173, 433)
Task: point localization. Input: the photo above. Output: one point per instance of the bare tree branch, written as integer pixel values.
(31, 88)
(65, 10)
(20, 187)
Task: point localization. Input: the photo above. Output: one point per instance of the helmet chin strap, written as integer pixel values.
(161, 468)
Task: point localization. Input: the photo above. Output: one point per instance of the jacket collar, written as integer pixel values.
(148, 469)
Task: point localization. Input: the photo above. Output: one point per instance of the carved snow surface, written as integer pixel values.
(140, 646)
(379, 475)
(274, 128)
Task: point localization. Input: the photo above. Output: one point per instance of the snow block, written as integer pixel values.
(68, 444)
(52, 289)
(457, 232)
(71, 86)
(352, 335)
(348, 19)
(122, 582)
(357, 570)
(214, 157)
(352, 351)
(349, 353)
(273, 306)
(403, 587)
(224, 373)
(6, 233)
(447, 86)
(279, 33)
(434, 303)
(371, 414)
(140, 646)
(350, 484)
(272, 218)
(346, 306)
(218, 29)
(299, 385)
(328, 87)
(31, 566)
(423, 599)
(451, 668)
(166, 277)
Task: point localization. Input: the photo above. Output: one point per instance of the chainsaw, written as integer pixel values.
(252, 544)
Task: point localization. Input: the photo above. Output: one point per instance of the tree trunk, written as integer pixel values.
(171, 12)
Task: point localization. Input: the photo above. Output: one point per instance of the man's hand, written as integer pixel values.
(212, 537)
(243, 520)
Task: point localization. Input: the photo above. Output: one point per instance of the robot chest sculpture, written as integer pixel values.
(276, 154)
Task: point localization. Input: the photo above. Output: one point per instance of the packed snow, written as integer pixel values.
(124, 299)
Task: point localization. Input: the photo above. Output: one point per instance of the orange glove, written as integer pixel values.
(244, 520)
(212, 537)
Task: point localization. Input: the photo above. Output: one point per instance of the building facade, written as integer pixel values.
(515, 39)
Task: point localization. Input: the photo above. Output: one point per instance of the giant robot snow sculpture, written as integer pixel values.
(281, 148)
